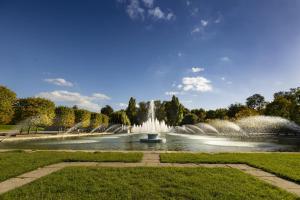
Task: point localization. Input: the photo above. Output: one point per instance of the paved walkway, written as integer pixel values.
(150, 159)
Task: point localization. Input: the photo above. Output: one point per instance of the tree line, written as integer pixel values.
(39, 112)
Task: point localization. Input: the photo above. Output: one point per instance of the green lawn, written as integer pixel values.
(148, 183)
(6, 127)
(286, 165)
(18, 162)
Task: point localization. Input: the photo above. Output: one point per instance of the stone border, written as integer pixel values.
(150, 159)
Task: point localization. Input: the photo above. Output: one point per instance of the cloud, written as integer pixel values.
(225, 80)
(148, 3)
(188, 3)
(204, 22)
(197, 69)
(134, 10)
(198, 83)
(225, 59)
(59, 82)
(101, 96)
(75, 98)
(157, 14)
(171, 93)
(179, 54)
(196, 30)
(122, 105)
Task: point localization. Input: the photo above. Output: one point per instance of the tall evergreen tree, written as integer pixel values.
(174, 112)
(7, 101)
(131, 111)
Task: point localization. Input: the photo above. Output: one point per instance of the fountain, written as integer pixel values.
(152, 127)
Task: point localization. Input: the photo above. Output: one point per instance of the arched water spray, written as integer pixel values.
(75, 127)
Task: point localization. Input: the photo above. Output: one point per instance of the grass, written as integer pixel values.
(7, 127)
(285, 165)
(148, 183)
(18, 162)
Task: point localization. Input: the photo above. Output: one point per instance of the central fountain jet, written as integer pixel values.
(152, 127)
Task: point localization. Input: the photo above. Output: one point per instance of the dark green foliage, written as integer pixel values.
(131, 111)
(256, 102)
(160, 110)
(190, 119)
(82, 116)
(281, 106)
(107, 110)
(64, 117)
(35, 111)
(119, 117)
(233, 109)
(210, 114)
(201, 114)
(142, 112)
(174, 111)
(95, 120)
(7, 101)
(104, 119)
(221, 113)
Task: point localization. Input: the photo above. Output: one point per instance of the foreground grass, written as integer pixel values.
(6, 127)
(18, 162)
(286, 165)
(148, 183)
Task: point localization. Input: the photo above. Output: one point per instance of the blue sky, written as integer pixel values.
(92, 53)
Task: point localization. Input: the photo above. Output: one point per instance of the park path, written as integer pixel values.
(150, 159)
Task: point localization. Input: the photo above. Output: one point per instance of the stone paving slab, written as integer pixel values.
(150, 159)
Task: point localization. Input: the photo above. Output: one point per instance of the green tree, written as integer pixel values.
(221, 113)
(190, 118)
(131, 111)
(246, 112)
(201, 114)
(160, 110)
(142, 112)
(64, 117)
(281, 106)
(96, 120)
(119, 117)
(7, 101)
(256, 102)
(82, 116)
(233, 109)
(174, 112)
(38, 111)
(104, 119)
(107, 110)
(210, 114)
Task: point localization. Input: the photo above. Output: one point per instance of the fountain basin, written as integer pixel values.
(152, 138)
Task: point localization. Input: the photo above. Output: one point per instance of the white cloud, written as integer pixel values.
(157, 14)
(179, 86)
(75, 98)
(148, 3)
(188, 3)
(223, 78)
(198, 83)
(179, 54)
(101, 96)
(225, 59)
(134, 10)
(122, 105)
(59, 82)
(204, 22)
(171, 93)
(197, 69)
(196, 30)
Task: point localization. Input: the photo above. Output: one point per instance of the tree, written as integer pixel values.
(7, 101)
(233, 109)
(174, 112)
(82, 116)
(246, 112)
(104, 119)
(96, 120)
(64, 117)
(160, 111)
(131, 111)
(142, 112)
(190, 118)
(256, 102)
(119, 117)
(201, 114)
(221, 113)
(107, 110)
(281, 106)
(210, 114)
(38, 111)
